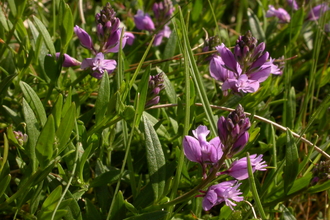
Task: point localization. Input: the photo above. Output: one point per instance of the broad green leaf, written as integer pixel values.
(118, 211)
(292, 163)
(91, 211)
(57, 110)
(169, 89)
(50, 203)
(4, 183)
(103, 99)
(170, 50)
(46, 36)
(155, 159)
(66, 24)
(59, 214)
(320, 187)
(32, 130)
(197, 10)
(158, 215)
(34, 101)
(161, 130)
(109, 177)
(63, 132)
(72, 207)
(12, 6)
(255, 26)
(45, 144)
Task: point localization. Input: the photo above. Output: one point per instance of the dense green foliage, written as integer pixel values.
(95, 152)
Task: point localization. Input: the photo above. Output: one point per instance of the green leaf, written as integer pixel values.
(63, 133)
(158, 215)
(45, 144)
(155, 159)
(47, 38)
(292, 162)
(169, 89)
(32, 131)
(109, 177)
(6, 82)
(141, 97)
(4, 183)
(91, 211)
(255, 26)
(50, 203)
(197, 10)
(103, 99)
(4, 158)
(3, 21)
(34, 101)
(66, 24)
(118, 210)
(319, 188)
(57, 110)
(286, 214)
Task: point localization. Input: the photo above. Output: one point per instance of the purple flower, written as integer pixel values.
(217, 70)
(244, 70)
(99, 65)
(223, 192)
(238, 168)
(280, 13)
(83, 36)
(317, 11)
(163, 10)
(197, 149)
(293, 4)
(143, 21)
(129, 38)
(165, 32)
(68, 60)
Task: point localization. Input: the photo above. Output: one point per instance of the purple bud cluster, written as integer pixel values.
(246, 68)
(321, 173)
(233, 136)
(108, 33)
(156, 84)
(162, 13)
(20, 137)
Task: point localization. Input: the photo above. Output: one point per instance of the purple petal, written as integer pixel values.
(192, 149)
(85, 39)
(261, 74)
(86, 63)
(143, 21)
(228, 58)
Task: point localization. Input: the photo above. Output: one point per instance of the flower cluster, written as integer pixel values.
(233, 136)
(20, 137)
(162, 13)
(284, 16)
(246, 68)
(321, 172)
(154, 88)
(108, 33)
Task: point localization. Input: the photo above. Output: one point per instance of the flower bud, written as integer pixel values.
(83, 36)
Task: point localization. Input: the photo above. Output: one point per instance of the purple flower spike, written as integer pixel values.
(223, 192)
(317, 11)
(68, 60)
(85, 39)
(293, 4)
(156, 84)
(280, 13)
(99, 65)
(197, 149)
(143, 21)
(238, 168)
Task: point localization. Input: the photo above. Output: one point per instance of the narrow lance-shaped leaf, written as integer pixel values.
(45, 144)
(155, 159)
(34, 101)
(66, 24)
(47, 38)
(292, 163)
(103, 99)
